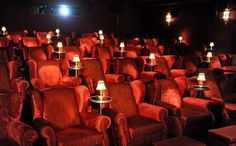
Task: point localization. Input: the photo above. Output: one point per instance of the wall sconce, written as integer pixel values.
(209, 55)
(101, 87)
(152, 58)
(57, 32)
(48, 37)
(201, 78)
(76, 59)
(122, 46)
(59, 45)
(180, 39)
(4, 29)
(100, 32)
(211, 45)
(168, 18)
(226, 15)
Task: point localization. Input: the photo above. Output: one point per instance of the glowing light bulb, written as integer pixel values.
(168, 18)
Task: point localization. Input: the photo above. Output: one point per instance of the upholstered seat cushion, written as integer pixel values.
(7, 142)
(140, 126)
(225, 133)
(231, 108)
(194, 117)
(82, 136)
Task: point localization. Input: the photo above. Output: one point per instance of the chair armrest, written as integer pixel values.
(46, 131)
(23, 134)
(150, 75)
(71, 81)
(38, 84)
(119, 124)
(114, 78)
(95, 121)
(178, 72)
(217, 101)
(172, 110)
(19, 85)
(197, 104)
(152, 112)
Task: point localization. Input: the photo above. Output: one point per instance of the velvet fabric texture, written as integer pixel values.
(134, 122)
(184, 113)
(30, 41)
(49, 73)
(37, 53)
(12, 130)
(73, 125)
(9, 81)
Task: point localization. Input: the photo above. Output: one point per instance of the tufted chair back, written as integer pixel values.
(30, 41)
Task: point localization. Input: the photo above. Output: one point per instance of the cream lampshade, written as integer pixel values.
(102, 39)
(201, 78)
(168, 18)
(122, 46)
(4, 29)
(100, 32)
(76, 59)
(226, 15)
(180, 39)
(48, 37)
(209, 55)
(59, 45)
(101, 87)
(152, 58)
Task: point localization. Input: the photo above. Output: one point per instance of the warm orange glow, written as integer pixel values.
(152, 58)
(57, 32)
(59, 45)
(100, 32)
(122, 46)
(48, 36)
(211, 45)
(209, 55)
(180, 39)
(101, 87)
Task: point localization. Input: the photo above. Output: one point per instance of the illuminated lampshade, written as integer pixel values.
(209, 55)
(122, 44)
(102, 37)
(101, 85)
(48, 36)
(152, 56)
(4, 28)
(226, 15)
(168, 18)
(201, 78)
(76, 58)
(180, 39)
(100, 32)
(59, 45)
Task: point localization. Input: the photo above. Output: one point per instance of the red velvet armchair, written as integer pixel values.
(9, 81)
(134, 122)
(61, 118)
(96, 70)
(13, 132)
(50, 73)
(187, 115)
(132, 71)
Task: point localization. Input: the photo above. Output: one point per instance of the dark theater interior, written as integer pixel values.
(118, 73)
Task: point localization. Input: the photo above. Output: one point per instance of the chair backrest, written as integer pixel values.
(102, 52)
(4, 77)
(48, 72)
(170, 92)
(126, 66)
(162, 66)
(41, 36)
(30, 41)
(214, 89)
(93, 69)
(123, 99)
(10, 109)
(4, 42)
(37, 53)
(69, 101)
(189, 63)
(215, 63)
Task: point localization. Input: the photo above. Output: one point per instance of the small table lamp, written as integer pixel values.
(101, 87)
(4, 29)
(100, 32)
(201, 78)
(48, 37)
(102, 39)
(76, 59)
(152, 58)
(211, 45)
(122, 46)
(57, 32)
(209, 55)
(180, 39)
